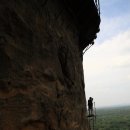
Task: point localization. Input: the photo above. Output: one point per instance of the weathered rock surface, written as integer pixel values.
(41, 75)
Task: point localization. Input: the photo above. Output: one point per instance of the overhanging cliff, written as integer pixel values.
(86, 14)
(41, 75)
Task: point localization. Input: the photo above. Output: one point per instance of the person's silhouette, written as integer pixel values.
(90, 105)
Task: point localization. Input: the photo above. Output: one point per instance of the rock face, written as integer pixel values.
(41, 75)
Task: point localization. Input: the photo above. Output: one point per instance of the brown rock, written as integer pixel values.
(41, 75)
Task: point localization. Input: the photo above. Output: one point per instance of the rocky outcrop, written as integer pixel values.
(41, 75)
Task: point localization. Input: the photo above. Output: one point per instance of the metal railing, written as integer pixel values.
(97, 4)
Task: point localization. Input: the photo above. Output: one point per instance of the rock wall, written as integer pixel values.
(41, 75)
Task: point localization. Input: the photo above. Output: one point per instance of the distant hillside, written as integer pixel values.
(114, 118)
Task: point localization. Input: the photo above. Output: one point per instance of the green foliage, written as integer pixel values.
(116, 118)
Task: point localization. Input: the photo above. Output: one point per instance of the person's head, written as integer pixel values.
(90, 98)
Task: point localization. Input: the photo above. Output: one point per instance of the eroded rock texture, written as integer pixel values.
(41, 76)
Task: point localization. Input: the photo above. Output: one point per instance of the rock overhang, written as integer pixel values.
(87, 18)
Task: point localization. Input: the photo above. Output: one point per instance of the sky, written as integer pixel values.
(107, 63)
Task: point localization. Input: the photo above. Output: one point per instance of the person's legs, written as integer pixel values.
(89, 111)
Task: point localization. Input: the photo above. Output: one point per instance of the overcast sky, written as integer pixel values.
(107, 63)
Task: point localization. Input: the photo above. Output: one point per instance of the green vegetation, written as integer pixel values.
(116, 118)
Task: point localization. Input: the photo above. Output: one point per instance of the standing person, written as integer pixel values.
(90, 105)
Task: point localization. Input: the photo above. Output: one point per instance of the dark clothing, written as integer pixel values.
(90, 104)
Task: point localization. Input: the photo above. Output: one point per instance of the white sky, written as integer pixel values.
(107, 63)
